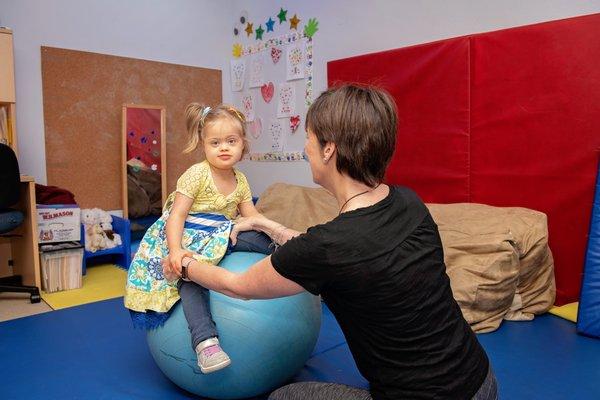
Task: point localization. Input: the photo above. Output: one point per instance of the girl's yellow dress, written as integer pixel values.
(206, 233)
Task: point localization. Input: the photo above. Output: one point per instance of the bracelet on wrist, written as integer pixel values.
(184, 269)
(278, 235)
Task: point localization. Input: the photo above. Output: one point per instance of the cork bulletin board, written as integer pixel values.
(83, 98)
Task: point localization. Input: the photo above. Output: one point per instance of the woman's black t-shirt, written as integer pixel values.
(380, 269)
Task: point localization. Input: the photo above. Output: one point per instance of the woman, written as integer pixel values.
(378, 265)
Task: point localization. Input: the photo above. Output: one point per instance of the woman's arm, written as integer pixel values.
(258, 222)
(260, 281)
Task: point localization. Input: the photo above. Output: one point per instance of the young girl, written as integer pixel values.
(196, 222)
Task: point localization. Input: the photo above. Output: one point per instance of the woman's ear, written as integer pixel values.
(328, 151)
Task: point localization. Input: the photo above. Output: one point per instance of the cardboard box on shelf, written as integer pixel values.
(58, 223)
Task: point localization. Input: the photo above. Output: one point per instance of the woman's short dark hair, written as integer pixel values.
(361, 121)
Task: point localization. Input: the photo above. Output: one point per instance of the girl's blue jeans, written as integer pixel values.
(195, 300)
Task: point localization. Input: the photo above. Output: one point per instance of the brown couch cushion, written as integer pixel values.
(497, 258)
(297, 207)
(481, 261)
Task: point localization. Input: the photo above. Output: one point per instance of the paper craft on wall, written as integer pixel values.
(255, 127)
(286, 100)
(238, 69)
(256, 70)
(276, 133)
(267, 91)
(295, 62)
(275, 54)
(277, 91)
(248, 106)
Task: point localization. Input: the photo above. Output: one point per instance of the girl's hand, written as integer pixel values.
(174, 260)
(168, 272)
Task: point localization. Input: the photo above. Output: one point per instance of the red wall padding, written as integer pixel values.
(508, 118)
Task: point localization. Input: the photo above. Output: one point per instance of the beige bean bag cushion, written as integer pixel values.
(497, 258)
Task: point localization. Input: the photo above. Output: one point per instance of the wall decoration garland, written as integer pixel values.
(267, 76)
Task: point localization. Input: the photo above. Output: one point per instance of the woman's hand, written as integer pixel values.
(243, 224)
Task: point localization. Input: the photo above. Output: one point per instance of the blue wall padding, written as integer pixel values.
(588, 318)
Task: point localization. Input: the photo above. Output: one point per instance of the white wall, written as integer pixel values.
(188, 32)
(199, 33)
(353, 27)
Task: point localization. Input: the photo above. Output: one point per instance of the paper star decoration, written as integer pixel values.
(259, 32)
(294, 22)
(282, 15)
(237, 50)
(311, 28)
(270, 24)
(249, 29)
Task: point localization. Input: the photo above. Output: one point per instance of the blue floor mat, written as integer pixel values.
(92, 352)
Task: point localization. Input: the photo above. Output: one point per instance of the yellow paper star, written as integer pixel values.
(249, 29)
(237, 50)
(294, 21)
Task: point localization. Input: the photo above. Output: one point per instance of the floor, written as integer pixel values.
(91, 351)
(17, 305)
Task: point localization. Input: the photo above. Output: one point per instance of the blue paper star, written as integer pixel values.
(270, 24)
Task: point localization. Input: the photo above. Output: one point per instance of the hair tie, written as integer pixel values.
(237, 114)
(205, 112)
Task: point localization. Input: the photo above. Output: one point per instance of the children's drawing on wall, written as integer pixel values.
(248, 106)
(255, 128)
(271, 81)
(256, 70)
(287, 100)
(276, 132)
(238, 70)
(295, 62)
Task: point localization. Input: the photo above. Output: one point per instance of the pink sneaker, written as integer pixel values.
(211, 356)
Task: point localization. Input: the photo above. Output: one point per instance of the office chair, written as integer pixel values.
(11, 219)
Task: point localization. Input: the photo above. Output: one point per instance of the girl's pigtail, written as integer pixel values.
(195, 115)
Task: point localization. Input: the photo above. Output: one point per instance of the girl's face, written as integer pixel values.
(222, 142)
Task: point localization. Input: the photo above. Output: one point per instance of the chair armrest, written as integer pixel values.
(120, 225)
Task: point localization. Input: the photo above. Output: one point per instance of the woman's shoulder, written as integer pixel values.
(407, 195)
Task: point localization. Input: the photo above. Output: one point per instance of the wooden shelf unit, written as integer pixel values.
(23, 249)
(8, 130)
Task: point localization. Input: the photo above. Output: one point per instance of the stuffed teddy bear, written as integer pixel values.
(113, 239)
(95, 238)
(88, 217)
(91, 235)
(105, 220)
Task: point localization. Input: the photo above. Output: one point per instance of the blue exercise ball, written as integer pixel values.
(268, 341)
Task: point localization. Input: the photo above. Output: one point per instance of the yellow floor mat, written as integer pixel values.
(568, 311)
(101, 282)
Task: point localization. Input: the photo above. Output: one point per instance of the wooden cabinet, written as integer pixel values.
(8, 133)
(24, 246)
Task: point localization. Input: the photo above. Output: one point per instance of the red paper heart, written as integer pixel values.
(275, 54)
(294, 122)
(267, 90)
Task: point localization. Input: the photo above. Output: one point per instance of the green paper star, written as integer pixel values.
(311, 28)
(259, 32)
(282, 15)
